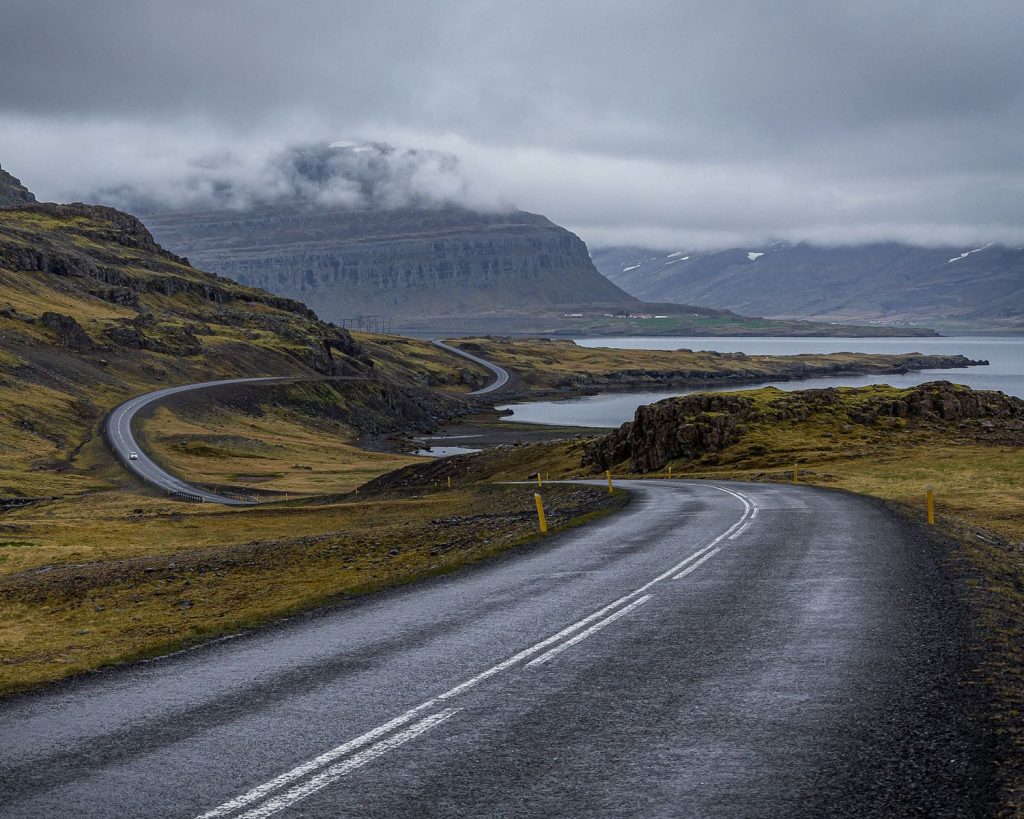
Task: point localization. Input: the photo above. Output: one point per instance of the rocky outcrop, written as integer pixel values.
(102, 253)
(397, 263)
(677, 428)
(941, 400)
(12, 192)
(695, 425)
(103, 226)
(68, 331)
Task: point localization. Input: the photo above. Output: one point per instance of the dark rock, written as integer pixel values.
(69, 332)
(698, 426)
(12, 192)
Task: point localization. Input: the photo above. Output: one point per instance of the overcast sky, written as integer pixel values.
(676, 124)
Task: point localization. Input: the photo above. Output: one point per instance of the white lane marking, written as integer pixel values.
(335, 772)
(696, 565)
(325, 758)
(741, 530)
(329, 756)
(583, 635)
(749, 513)
(754, 513)
(333, 754)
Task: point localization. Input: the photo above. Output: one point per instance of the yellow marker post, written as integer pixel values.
(539, 484)
(670, 471)
(931, 505)
(449, 481)
(608, 474)
(541, 520)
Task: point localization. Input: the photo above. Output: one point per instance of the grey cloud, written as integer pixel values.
(685, 122)
(347, 175)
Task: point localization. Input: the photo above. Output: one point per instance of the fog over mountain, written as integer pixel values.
(373, 176)
(662, 124)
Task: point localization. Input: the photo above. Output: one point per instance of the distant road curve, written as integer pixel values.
(118, 431)
(500, 373)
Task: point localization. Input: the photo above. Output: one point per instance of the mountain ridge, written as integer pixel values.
(12, 192)
(952, 288)
(403, 263)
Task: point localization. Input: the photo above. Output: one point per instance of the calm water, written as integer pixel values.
(1005, 371)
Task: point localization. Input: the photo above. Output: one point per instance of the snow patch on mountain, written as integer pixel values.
(968, 253)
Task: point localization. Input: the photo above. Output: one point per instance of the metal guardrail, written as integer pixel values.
(188, 496)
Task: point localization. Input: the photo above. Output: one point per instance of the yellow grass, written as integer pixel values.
(276, 452)
(204, 572)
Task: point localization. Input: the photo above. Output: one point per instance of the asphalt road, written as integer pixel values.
(500, 373)
(714, 650)
(118, 430)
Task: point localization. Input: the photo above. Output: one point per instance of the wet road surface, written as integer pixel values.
(714, 650)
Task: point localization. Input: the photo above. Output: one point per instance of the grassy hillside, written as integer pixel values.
(93, 311)
(880, 440)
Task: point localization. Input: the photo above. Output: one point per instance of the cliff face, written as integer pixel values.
(12, 192)
(406, 263)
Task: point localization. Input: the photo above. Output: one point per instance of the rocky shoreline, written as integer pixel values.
(643, 378)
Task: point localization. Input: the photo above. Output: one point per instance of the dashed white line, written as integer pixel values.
(696, 565)
(741, 530)
(314, 764)
(335, 772)
(583, 635)
(342, 768)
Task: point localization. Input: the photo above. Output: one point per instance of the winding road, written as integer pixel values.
(714, 650)
(118, 430)
(500, 373)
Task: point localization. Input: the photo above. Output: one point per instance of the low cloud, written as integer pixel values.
(348, 175)
(673, 123)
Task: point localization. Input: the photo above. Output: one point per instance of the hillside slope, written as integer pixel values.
(951, 288)
(93, 311)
